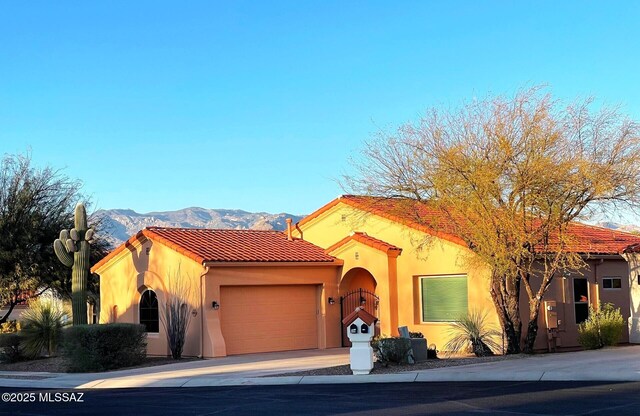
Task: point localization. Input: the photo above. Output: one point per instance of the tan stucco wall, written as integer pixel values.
(124, 279)
(561, 290)
(440, 257)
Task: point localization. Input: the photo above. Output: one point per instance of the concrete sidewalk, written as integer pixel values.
(611, 364)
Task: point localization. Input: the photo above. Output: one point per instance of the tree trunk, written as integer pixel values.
(532, 327)
(5, 318)
(507, 303)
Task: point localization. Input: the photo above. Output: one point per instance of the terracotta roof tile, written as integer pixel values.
(210, 245)
(584, 238)
(367, 240)
(359, 312)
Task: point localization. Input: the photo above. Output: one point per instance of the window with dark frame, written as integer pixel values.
(581, 299)
(149, 311)
(612, 283)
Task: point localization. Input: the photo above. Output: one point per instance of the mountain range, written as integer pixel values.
(117, 225)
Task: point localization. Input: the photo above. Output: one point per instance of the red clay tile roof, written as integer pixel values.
(367, 240)
(585, 238)
(209, 245)
(359, 312)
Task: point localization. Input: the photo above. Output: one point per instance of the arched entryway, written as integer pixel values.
(357, 288)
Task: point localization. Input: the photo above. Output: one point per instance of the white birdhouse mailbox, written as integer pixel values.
(360, 330)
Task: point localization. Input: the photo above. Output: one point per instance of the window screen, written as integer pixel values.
(444, 298)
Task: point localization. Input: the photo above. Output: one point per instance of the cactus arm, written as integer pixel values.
(62, 253)
(71, 247)
(80, 217)
(64, 235)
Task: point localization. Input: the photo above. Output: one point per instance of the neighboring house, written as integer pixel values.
(251, 291)
(258, 291)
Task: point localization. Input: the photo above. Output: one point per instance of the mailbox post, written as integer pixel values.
(360, 330)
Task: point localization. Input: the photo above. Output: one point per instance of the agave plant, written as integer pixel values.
(472, 333)
(42, 323)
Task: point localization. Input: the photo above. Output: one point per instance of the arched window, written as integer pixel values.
(149, 311)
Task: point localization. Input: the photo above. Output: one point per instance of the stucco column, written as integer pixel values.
(214, 345)
(633, 260)
(393, 289)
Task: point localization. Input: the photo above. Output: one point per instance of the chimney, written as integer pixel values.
(289, 237)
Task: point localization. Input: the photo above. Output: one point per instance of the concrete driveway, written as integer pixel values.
(218, 371)
(610, 364)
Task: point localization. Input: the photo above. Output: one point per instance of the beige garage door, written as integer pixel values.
(268, 318)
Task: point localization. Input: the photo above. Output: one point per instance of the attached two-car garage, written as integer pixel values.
(269, 318)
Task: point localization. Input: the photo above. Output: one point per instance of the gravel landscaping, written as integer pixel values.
(399, 368)
(56, 364)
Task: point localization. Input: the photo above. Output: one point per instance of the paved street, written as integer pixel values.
(505, 398)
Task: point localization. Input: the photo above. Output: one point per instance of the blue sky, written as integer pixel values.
(258, 105)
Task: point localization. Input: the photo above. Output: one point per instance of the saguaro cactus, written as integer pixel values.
(72, 248)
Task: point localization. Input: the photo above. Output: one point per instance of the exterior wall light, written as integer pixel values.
(215, 305)
(331, 301)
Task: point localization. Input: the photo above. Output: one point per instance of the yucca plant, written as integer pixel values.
(471, 333)
(41, 324)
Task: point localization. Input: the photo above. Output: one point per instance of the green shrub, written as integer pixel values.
(611, 325)
(11, 350)
(103, 347)
(470, 333)
(10, 327)
(41, 326)
(604, 326)
(391, 350)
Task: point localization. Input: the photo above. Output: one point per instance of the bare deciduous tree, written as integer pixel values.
(509, 175)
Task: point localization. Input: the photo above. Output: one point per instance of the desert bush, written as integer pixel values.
(391, 350)
(176, 315)
(11, 350)
(470, 333)
(611, 325)
(42, 324)
(604, 327)
(10, 327)
(103, 347)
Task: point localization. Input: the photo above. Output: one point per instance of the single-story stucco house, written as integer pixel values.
(258, 291)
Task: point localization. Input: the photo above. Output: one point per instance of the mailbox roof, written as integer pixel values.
(359, 312)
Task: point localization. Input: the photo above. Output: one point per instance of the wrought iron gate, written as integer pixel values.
(351, 300)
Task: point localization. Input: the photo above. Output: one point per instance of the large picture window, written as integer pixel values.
(444, 298)
(149, 311)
